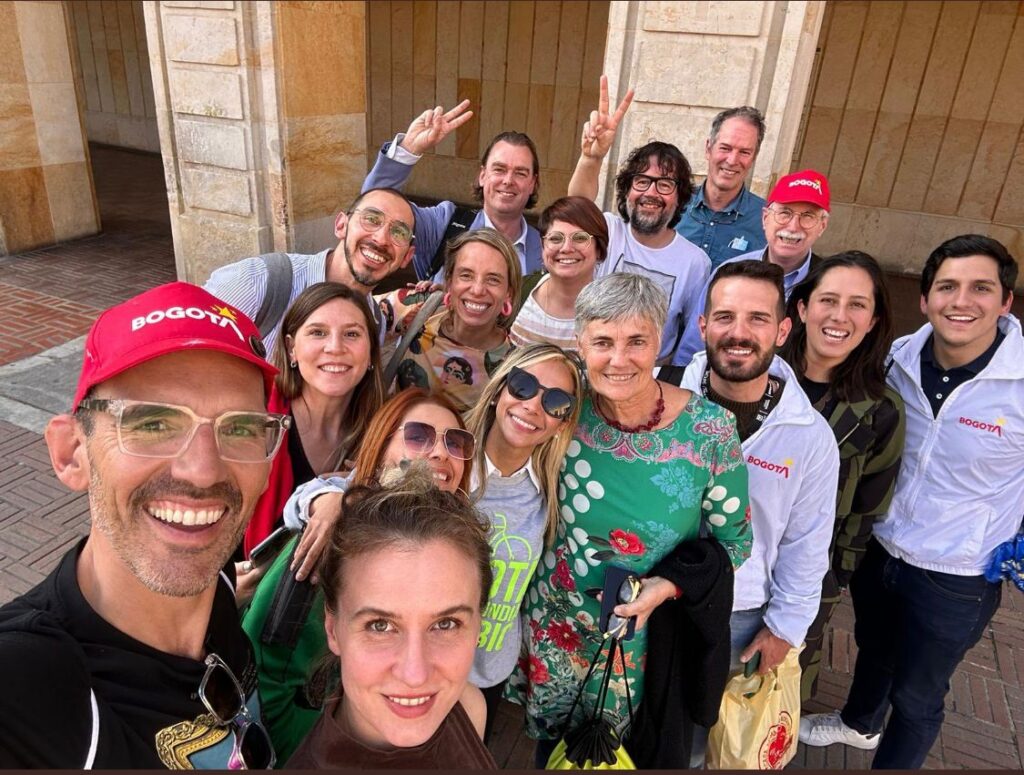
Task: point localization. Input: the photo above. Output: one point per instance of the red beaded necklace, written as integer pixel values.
(659, 410)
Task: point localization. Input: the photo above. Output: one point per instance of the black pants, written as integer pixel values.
(492, 696)
(913, 628)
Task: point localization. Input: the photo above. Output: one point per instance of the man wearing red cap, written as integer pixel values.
(794, 218)
(129, 654)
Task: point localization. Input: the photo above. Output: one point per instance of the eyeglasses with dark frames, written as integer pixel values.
(157, 430)
(663, 186)
(222, 695)
(372, 219)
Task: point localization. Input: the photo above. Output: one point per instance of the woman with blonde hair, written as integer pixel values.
(460, 346)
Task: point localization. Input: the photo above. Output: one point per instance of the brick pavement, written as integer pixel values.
(59, 290)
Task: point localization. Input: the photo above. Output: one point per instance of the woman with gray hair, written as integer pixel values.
(650, 464)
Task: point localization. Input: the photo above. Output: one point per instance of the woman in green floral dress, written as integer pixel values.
(649, 465)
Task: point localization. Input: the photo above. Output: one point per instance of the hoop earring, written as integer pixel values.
(293, 365)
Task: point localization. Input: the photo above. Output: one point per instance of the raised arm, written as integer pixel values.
(396, 158)
(432, 126)
(597, 138)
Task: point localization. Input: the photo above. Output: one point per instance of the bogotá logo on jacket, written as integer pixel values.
(777, 743)
(782, 469)
(994, 427)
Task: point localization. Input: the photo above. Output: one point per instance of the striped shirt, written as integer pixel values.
(243, 285)
(534, 325)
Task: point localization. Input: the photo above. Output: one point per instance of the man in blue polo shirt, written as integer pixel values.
(507, 185)
(723, 218)
(920, 596)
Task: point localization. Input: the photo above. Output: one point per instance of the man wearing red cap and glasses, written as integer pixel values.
(794, 219)
(129, 654)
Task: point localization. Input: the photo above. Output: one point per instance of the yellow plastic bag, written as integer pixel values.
(558, 760)
(758, 721)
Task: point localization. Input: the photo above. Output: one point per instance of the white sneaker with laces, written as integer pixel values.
(819, 729)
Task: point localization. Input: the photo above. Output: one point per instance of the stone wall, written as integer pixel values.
(113, 64)
(46, 192)
(688, 60)
(262, 115)
(916, 117)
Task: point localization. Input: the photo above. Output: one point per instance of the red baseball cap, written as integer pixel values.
(804, 186)
(169, 318)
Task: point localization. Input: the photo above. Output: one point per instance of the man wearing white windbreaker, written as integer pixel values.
(920, 596)
(792, 461)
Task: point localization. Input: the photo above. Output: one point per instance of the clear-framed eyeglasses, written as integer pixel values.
(578, 239)
(372, 219)
(156, 430)
(784, 215)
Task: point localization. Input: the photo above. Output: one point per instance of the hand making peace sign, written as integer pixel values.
(599, 132)
(432, 126)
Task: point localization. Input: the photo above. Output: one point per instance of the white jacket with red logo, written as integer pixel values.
(793, 469)
(960, 491)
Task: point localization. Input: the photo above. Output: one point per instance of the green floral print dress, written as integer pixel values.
(626, 499)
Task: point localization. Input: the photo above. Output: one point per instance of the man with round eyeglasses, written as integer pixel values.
(652, 188)
(376, 238)
(130, 654)
(794, 219)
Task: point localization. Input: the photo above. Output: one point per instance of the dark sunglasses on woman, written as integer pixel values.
(420, 438)
(523, 386)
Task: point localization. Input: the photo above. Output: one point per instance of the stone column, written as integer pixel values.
(46, 192)
(262, 113)
(689, 60)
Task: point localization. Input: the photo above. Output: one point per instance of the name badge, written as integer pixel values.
(738, 243)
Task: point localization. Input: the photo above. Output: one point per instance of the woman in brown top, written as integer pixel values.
(405, 576)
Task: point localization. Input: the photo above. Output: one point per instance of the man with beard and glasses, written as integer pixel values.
(377, 238)
(792, 461)
(507, 185)
(130, 653)
(794, 219)
(651, 190)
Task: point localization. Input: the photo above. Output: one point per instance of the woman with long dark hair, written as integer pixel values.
(329, 381)
(842, 331)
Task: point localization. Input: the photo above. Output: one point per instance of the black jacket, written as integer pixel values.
(687, 655)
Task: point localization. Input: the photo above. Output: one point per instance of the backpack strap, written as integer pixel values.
(279, 290)
(461, 220)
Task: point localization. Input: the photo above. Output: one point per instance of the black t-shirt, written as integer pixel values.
(75, 690)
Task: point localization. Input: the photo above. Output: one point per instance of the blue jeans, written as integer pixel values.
(743, 625)
(913, 627)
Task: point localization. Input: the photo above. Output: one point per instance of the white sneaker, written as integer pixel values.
(819, 729)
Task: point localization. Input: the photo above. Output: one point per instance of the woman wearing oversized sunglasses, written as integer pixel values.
(575, 242)
(412, 425)
(526, 417)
